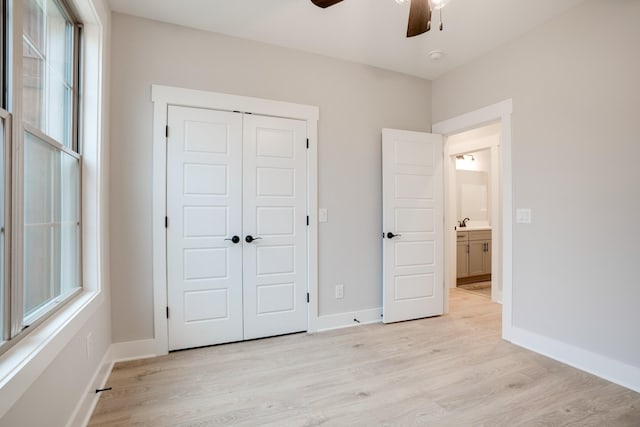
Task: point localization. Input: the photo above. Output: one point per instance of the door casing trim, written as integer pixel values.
(162, 97)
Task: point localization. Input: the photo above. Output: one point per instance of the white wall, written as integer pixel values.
(355, 102)
(575, 90)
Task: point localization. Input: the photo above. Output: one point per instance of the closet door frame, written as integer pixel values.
(164, 96)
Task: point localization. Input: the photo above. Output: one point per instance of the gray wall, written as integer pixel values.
(355, 102)
(575, 85)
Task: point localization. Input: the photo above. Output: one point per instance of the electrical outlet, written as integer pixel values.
(339, 291)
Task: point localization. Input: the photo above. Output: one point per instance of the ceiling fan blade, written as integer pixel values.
(325, 3)
(419, 18)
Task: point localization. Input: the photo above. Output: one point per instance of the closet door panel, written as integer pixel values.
(274, 213)
(204, 207)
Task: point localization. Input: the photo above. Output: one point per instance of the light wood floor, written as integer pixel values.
(478, 288)
(452, 370)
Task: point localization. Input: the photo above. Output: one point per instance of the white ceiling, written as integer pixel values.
(365, 31)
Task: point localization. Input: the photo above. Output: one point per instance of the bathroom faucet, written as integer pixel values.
(463, 223)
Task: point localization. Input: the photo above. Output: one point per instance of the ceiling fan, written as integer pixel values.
(419, 14)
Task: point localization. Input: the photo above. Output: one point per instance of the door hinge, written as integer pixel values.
(307, 220)
(166, 222)
(307, 143)
(166, 131)
(167, 312)
(307, 297)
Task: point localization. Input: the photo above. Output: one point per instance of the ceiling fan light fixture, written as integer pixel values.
(420, 13)
(438, 4)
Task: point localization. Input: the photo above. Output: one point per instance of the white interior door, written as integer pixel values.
(413, 249)
(275, 215)
(204, 208)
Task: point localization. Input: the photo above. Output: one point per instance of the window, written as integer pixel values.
(47, 170)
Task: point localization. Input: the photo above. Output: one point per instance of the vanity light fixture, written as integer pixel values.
(466, 157)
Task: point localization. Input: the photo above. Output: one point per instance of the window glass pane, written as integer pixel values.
(33, 86)
(51, 222)
(70, 224)
(40, 184)
(33, 23)
(47, 70)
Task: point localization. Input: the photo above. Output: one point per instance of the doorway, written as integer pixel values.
(502, 232)
(473, 207)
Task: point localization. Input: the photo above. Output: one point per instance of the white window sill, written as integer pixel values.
(22, 364)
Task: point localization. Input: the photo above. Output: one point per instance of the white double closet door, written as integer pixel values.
(237, 226)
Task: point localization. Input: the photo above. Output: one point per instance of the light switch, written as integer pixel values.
(323, 215)
(523, 215)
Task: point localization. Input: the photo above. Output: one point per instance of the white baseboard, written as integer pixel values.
(118, 352)
(85, 407)
(498, 297)
(611, 370)
(345, 320)
(132, 350)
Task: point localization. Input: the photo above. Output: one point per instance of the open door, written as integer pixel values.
(412, 216)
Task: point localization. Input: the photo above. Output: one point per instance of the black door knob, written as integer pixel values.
(250, 238)
(234, 239)
(391, 235)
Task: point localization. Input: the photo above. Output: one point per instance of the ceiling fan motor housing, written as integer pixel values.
(419, 14)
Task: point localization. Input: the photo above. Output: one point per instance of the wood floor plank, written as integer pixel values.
(449, 370)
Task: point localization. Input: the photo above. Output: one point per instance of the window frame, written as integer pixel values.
(5, 278)
(14, 325)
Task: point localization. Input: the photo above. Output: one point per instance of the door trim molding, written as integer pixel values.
(162, 97)
(499, 112)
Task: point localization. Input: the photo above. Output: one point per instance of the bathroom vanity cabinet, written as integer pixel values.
(474, 254)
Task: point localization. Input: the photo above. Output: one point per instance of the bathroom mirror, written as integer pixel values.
(473, 196)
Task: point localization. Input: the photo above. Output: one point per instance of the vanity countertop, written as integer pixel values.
(474, 228)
